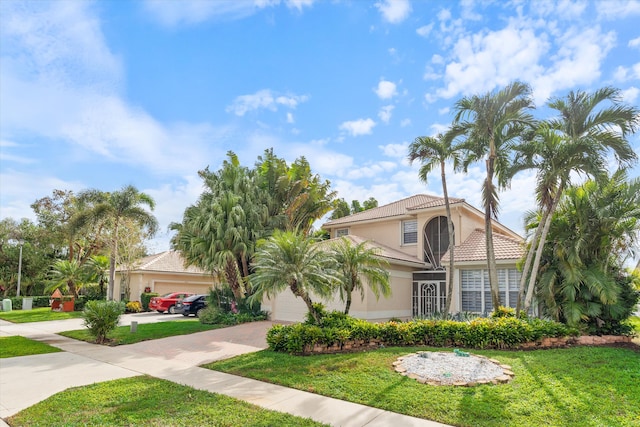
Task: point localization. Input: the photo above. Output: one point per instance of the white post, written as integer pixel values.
(19, 267)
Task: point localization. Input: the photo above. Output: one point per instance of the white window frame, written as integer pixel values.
(508, 283)
(341, 232)
(403, 233)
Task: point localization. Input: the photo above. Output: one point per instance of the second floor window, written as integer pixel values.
(410, 232)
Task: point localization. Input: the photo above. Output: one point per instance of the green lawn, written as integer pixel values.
(21, 346)
(150, 402)
(146, 331)
(580, 386)
(40, 314)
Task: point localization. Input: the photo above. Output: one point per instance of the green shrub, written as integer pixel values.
(503, 311)
(337, 328)
(101, 317)
(145, 298)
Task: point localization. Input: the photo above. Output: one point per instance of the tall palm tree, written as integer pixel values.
(492, 125)
(219, 232)
(578, 140)
(433, 152)
(127, 203)
(357, 262)
(289, 259)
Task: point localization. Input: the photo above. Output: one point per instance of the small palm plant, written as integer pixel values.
(102, 317)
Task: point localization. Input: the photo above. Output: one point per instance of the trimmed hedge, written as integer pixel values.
(145, 298)
(501, 333)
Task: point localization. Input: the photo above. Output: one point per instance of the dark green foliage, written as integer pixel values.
(337, 328)
(101, 317)
(145, 298)
(39, 301)
(213, 315)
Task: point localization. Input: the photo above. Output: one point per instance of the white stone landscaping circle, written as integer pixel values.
(451, 368)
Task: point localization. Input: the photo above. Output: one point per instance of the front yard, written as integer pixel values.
(150, 402)
(40, 314)
(585, 386)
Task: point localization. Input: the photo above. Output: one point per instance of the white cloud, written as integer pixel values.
(444, 110)
(386, 89)
(290, 118)
(630, 95)
(190, 12)
(358, 127)
(264, 99)
(576, 62)
(486, 60)
(299, 4)
(405, 122)
(425, 30)
(618, 9)
(634, 42)
(394, 11)
(395, 150)
(371, 170)
(385, 113)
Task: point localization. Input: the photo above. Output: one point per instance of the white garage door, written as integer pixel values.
(167, 287)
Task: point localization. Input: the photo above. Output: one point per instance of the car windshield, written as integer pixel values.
(167, 295)
(193, 298)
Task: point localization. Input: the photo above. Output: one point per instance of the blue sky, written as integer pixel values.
(110, 93)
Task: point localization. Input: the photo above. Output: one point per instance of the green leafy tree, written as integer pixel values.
(370, 203)
(579, 140)
(97, 269)
(112, 210)
(219, 232)
(492, 125)
(341, 208)
(432, 153)
(290, 259)
(594, 228)
(357, 262)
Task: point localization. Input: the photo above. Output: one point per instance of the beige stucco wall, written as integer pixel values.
(386, 232)
(286, 307)
(163, 282)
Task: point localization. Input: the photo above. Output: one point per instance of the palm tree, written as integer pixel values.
(357, 262)
(594, 227)
(67, 273)
(294, 260)
(219, 232)
(578, 140)
(98, 271)
(493, 124)
(113, 208)
(433, 152)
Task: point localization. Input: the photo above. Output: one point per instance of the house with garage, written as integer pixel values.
(411, 234)
(161, 273)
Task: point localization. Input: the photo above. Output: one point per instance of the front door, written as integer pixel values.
(427, 299)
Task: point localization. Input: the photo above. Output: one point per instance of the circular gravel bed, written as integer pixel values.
(452, 368)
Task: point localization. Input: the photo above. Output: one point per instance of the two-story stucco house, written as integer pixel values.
(411, 234)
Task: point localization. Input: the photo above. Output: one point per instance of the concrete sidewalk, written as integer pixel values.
(26, 380)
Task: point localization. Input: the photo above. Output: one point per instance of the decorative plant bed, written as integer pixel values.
(457, 368)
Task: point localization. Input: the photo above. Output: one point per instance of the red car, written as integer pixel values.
(167, 302)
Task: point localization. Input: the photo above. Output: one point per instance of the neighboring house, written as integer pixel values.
(162, 273)
(411, 234)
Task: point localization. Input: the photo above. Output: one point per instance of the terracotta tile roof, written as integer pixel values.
(400, 207)
(168, 261)
(475, 249)
(390, 254)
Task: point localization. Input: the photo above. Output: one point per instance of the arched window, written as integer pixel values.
(436, 241)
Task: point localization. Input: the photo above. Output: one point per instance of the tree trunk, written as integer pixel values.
(541, 243)
(451, 240)
(231, 274)
(347, 305)
(527, 265)
(112, 264)
(488, 229)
